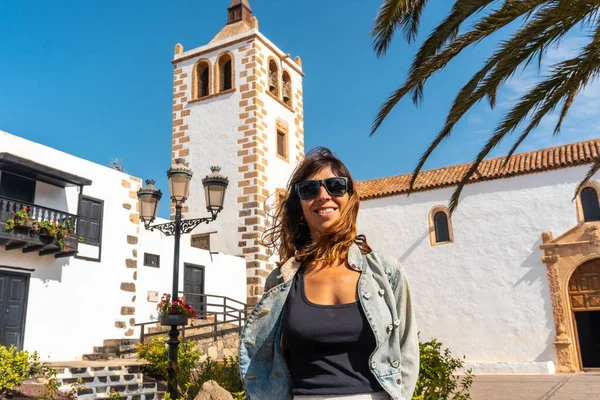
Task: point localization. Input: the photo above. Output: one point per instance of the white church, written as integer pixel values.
(511, 280)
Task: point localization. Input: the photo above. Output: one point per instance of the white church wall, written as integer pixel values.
(486, 295)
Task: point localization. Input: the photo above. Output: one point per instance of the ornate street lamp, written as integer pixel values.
(180, 176)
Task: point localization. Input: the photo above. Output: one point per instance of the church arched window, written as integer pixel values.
(224, 71)
(589, 204)
(201, 79)
(273, 78)
(440, 226)
(286, 88)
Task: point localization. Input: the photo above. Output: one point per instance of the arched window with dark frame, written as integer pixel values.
(286, 88)
(202, 79)
(273, 78)
(225, 72)
(589, 204)
(442, 231)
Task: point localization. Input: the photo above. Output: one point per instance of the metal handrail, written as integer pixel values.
(228, 312)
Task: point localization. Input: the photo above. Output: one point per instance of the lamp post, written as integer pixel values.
(179, 182)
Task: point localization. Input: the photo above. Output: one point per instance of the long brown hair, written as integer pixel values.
(290, 236)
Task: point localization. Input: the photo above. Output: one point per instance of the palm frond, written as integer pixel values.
(498, 19)
(394, 14)
(445, 32)
(591, 172)
(567, 77)
(545, 27)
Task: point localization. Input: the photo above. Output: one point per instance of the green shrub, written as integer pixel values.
(14, 368)
(18, 366)
(437, 379)
(156, 353)
(225, 373)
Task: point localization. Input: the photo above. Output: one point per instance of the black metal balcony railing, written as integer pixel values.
(30, 242)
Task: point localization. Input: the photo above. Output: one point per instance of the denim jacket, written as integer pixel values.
(385, 297)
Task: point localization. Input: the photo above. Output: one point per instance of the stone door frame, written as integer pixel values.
(562, 257)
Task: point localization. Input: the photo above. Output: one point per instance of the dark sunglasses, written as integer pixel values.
(308, 190)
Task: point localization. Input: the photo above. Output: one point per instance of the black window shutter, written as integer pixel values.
(442, 233)
(90, 220)
(589, 203)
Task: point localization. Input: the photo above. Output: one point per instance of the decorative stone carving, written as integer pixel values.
(570, 260)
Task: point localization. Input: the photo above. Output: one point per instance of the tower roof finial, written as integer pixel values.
(239, 10)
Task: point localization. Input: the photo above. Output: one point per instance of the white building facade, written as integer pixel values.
(488, 281)
(111, 273)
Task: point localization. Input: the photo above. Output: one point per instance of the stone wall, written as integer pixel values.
(226, 346)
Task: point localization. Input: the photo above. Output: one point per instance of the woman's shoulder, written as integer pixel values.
(383, 260)
(273, 279)
(386, 264)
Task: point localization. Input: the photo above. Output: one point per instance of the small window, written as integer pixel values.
(442, 233)
(282, 144)
(151, 260)
(440, 226)
(273, 78)
(590, 205)
(201, 241)
(89, 223)
(17, 188)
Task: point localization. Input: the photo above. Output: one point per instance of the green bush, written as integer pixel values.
(156, 353)
(225, 373)
(18, 366)
(437, 379)
(14, 368)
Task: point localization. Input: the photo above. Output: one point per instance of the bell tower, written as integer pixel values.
(238, 104)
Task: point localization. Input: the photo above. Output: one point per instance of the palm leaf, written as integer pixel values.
(568, 78)
(393, 14)
(498, 19)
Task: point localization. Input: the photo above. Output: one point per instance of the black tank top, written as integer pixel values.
(327, 347)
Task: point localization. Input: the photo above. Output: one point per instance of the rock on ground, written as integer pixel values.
(212, 391)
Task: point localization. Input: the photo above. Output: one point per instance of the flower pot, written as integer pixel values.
(171, 319)
(22, 229)
(46, 239)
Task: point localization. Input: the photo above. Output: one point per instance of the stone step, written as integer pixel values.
(137, 396)
(103, 380)
(133, 388)
(98, 370)
(99, 356)
(120, 342)
(107, 349)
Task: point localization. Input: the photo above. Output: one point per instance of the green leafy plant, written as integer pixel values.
(437, 377)
(19, 218)
(157, 357)
(60, 232)
(225, 373)
(18, 366)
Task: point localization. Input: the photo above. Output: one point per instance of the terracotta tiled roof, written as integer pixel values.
(232, 30)
(569, 155)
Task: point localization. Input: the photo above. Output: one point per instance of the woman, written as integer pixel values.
(336, 320)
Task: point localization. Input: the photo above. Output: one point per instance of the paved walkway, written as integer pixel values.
(583, 386)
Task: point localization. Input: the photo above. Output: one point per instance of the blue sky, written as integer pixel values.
(94, 79)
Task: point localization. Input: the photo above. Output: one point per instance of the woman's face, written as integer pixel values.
(322, 211)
